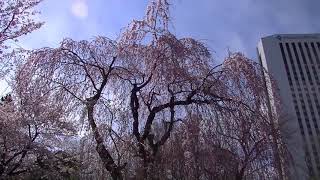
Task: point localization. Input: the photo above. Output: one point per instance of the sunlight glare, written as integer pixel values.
(79, 8)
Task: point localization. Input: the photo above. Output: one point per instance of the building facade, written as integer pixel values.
(293, 60)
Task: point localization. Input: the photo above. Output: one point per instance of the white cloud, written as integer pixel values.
(79, 8)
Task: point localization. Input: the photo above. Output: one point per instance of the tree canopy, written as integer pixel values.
(149, 105)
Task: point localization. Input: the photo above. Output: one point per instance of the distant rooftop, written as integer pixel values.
(294, 36)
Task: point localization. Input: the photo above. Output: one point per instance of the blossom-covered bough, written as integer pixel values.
(17, 19)
(28, 119)
(78, 72)
(253, 127)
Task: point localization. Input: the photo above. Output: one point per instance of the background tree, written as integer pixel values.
(31, 127)
(79, 72)
(17, 18)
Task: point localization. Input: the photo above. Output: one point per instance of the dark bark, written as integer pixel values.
(104, 154)
(1, 170)
(11, 170)
(239, 175)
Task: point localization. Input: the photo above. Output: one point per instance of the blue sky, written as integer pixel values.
(223, 24)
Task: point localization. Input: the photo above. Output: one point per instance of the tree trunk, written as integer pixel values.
(1, 170)
(239, 175)
(104, 154)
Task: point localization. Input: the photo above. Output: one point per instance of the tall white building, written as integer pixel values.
(293, 60)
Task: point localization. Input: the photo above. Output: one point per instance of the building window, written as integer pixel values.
(318, 44)
(308, 52)
(315, 73)
(305, 63)
(315, 53)
(298, 61)
(285, 64)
